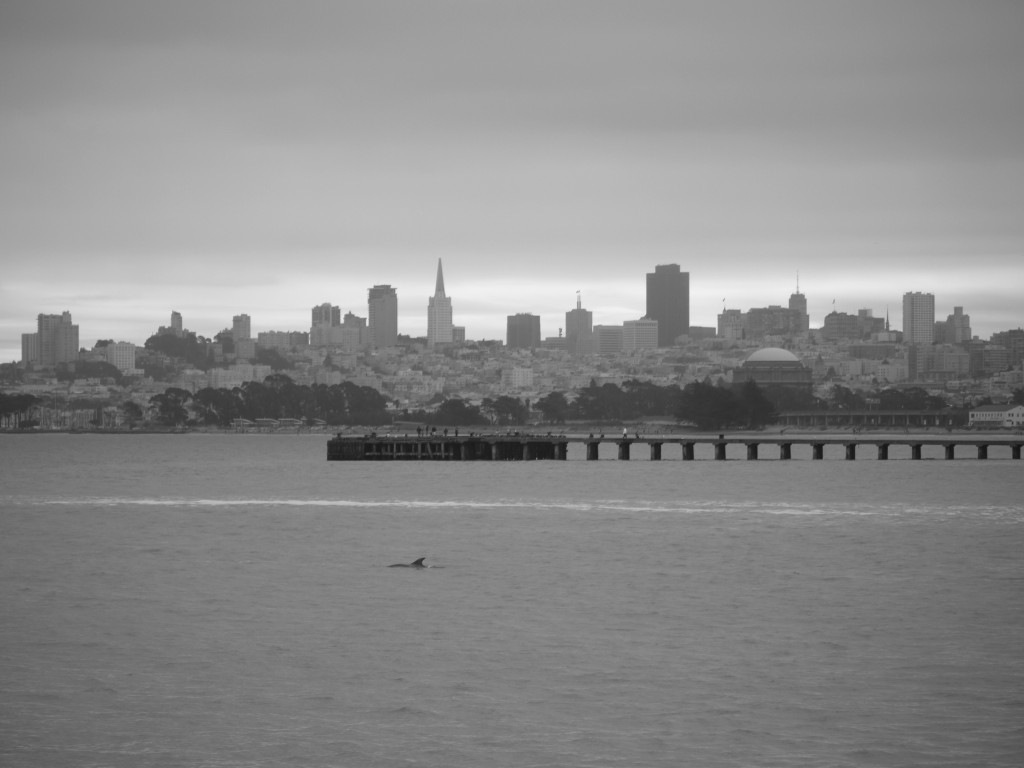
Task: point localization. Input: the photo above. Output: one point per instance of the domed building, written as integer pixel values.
(772, 367)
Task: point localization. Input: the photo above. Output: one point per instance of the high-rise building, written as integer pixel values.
(523, 331)
(326, 318)
(241, 328)
(326, 314)
(608, 339)
(798, 306)
(579, 330)
(918, 318)
(732, 325)
(668, 302)
(956, 329)
(640, 334)
(121, 355)
(383, 316)
(56, 340)
(439, 313)
(176, 325)
(29, 348)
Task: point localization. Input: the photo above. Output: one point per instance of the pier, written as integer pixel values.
(528, 447)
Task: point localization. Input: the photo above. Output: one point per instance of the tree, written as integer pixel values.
(845, 399)
(755, 408)
(188, 348)
(88, 369)
(554, 407)
(457, 412)
(1018, 397)
(132, 412)
(169, 406)
(274, 359)
(14, 409)
(707, 406)
(505, 410)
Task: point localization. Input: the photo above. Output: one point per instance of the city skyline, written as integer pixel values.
(390, 323)
(261, 159)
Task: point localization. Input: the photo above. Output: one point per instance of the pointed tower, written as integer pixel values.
(579, 329)
(798, 308)
(439, 313)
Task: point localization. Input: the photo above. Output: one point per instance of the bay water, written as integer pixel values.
(225, 600)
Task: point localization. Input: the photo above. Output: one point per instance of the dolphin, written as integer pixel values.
(413, 564)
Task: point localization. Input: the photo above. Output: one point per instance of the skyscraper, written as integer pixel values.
(640, 334)
(57, 339)
(668, 302)
(798, 306)
(326, 314)
(918, 318)
(439, 313)
(523, 331)
(241, 328)
(579, 330)
(383, 316)
(956, 329)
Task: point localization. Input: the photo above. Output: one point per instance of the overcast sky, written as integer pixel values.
(262, 157)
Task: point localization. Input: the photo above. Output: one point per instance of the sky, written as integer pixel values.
(247, 156)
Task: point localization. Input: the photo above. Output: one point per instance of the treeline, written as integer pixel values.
(197, 351)
(15, 409)
(276, 397)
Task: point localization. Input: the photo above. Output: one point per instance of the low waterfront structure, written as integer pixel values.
(525, 447)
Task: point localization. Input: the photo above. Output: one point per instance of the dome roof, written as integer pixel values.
(771, 355)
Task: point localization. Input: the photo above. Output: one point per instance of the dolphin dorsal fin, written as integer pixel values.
(419, 562)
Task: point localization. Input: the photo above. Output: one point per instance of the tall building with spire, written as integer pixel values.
(579, 329)
(439, 313)
(798, 306)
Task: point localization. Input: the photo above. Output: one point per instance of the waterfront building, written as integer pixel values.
(579, 330)
(668, 302)
(918, 318)
(640, 334)
(439, 313)
(996, 416)
(383, 315)
(523, 331)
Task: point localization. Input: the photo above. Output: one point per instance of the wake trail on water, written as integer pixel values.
(692, 507)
